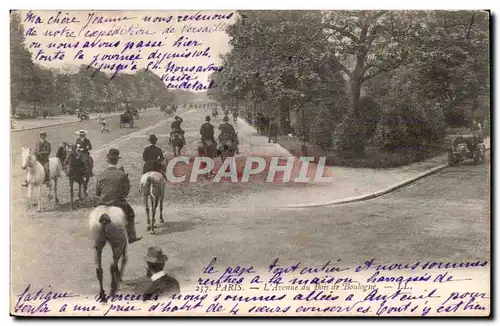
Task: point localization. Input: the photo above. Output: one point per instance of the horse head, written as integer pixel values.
(27, 157)
(63, 152)
(72, 156)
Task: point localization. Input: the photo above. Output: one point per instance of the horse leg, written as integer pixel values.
(72, 203)
(146, 204)
(55, 190)
(99, 271)
(85, 186)
(161, 210)
(80, 191)
(39, 209)
(153, 212)
(115, 274)
(124, 261)
(29, 195)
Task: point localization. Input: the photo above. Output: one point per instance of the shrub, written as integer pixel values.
(349, 135)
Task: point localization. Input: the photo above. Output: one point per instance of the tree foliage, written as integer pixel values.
(282, 57)
(82, 87)
(420, 71)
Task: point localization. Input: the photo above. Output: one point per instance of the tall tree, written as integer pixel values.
(22, 82)
(365, 44)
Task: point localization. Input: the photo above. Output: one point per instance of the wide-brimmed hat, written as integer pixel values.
(81, 132)
(155, 255)
(43, 133)
(152, 138)
(225, 119)
(114, 153)
(207, 118)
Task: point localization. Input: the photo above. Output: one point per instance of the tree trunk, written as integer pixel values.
(354, 95)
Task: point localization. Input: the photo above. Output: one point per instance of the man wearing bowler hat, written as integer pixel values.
(113, 187)
(159, 283)
(152, 156)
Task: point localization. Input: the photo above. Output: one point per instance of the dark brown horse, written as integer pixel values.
(75, 169)
(176, 142)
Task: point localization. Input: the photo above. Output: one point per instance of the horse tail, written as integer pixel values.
(104, 219)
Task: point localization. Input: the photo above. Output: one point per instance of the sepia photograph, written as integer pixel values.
(287, 163)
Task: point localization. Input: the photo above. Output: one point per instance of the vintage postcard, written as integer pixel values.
(250, 163)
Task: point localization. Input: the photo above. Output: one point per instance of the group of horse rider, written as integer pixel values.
(227, 111)
(43, 149)
(113, 185)
(227, 133)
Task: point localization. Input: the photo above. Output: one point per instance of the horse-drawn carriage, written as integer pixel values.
(126, 119)
(82, 115)
(467, 147)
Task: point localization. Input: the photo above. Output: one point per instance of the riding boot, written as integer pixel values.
(132, 237)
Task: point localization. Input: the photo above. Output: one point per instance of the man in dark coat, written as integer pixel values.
(160, 283)
(113, 187)
(152, 156)
(176, 127)
(227, 132)
(42, 152)
(207, 130)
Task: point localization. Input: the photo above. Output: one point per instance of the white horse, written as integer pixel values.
(36, 175)
(108, 224)
(153, 187)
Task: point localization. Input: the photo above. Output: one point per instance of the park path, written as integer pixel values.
(27, 124)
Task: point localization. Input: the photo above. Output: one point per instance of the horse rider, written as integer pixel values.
(113, 187)
(84, 147)
(273, 131)
(152, 156)
(227, 132)
(176, 128)
(42, 152)
(207, 133)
